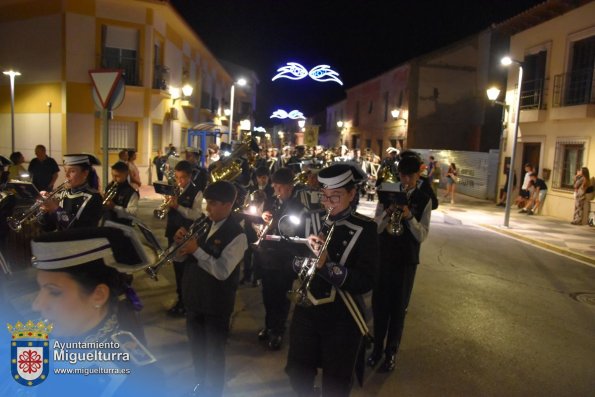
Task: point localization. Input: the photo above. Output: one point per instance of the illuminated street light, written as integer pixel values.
(507, 61)
(241, 82)
(493, 93)
(187, 90)
(340, 124)
(301, 123)
(12, 74)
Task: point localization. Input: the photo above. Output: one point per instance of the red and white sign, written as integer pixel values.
(105, 82)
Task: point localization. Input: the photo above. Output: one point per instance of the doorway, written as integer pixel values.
(531, 153)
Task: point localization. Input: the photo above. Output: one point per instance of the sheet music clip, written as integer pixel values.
(293, 246)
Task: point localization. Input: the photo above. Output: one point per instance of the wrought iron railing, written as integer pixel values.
(574, 88)
(131, 66)
(533, 94)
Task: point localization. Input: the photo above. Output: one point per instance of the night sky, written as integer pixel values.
(359, 39)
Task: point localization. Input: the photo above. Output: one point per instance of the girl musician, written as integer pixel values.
(399, 256)
(123, 203)
(329, 333)
(81, 205)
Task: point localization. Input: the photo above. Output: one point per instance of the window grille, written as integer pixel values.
(122, 135)
(568, 158)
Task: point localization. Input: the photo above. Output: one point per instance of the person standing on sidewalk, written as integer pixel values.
(582, 183)
(133, 170)
(451, 181)
(43, 170)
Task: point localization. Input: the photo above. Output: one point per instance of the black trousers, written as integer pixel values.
(179, 273)
(321, 339)
(275, 285)
(207, 335)
(389, 304)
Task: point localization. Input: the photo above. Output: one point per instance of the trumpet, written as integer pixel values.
(163, 209)
(299, 296)
(36, 210)
(395, 224)
(196, 230)
(110, 193)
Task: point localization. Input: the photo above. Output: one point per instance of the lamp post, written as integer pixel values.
(507, 61)
(12, 74)
(241, 82)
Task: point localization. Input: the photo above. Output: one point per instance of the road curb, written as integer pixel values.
(541, 244)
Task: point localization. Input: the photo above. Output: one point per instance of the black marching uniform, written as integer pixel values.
(277, 274)
(399, 257)
(209, 300)
(80, 207)
(251, 272)
(327, 334)
(176, 220)
(125, 196)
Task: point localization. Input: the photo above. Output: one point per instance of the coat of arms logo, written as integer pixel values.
(29, 350)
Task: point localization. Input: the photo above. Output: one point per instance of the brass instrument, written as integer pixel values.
(301, 178)
(230, 167)
(308, 268)
(395, 224)
(163, 209)
(196, 230)
(36, 211)
(267, 226)
(110, 193)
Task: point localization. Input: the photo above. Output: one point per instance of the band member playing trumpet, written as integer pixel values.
(399, 257)
(211, 278)
(277, 275)
(183, 210)
(81, 205)
(328, 333)
(120, 200)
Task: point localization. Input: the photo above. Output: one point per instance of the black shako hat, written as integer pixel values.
(81, 158)
(339, 175)
(221, 191)
(116, 244)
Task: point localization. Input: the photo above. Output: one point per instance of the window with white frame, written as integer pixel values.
(568, 158)
(122, 135)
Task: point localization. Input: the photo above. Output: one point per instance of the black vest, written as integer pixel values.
(175, 220)
(403, 250)
(202, 292)
(124, 193)
(81, 207)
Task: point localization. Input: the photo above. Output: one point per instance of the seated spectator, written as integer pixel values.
(16, 169)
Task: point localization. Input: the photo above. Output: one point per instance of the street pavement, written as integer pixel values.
(494, 312)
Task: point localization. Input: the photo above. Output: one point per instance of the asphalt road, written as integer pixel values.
(489, 316)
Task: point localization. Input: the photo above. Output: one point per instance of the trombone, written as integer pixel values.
(36, 211)
(196, 230)
(308, 268)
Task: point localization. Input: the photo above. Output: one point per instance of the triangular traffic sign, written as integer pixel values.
(105, 82)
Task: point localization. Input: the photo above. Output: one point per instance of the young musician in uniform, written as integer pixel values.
(329, 333)
(81, 205)
(210, 282)
(399, 257)
(124, 202)
(184, 209)
(277, 275)
(200, 175)
(84, 292)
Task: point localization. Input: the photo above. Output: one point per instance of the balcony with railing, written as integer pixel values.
(533, 95)
(574, 94)
(131, 66)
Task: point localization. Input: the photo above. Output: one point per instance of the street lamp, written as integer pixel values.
(241, 82)
(11, 74)
(302, 123)
(507, 61)
(340, 124)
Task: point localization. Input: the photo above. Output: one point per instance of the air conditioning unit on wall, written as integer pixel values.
(173, 114)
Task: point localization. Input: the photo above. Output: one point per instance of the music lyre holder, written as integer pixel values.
(293, 246)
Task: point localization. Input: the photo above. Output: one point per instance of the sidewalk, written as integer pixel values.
(550, 233)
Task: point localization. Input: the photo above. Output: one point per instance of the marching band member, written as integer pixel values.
(423, 182)
(200, 175)
(277, 276)
(124, 202)
(84, 292)
(183, 211)
(399, 257)
(210, 282)
(329, 333)
(81, 205)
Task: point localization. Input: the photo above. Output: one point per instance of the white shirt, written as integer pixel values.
(193, 212)
(222, 267)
